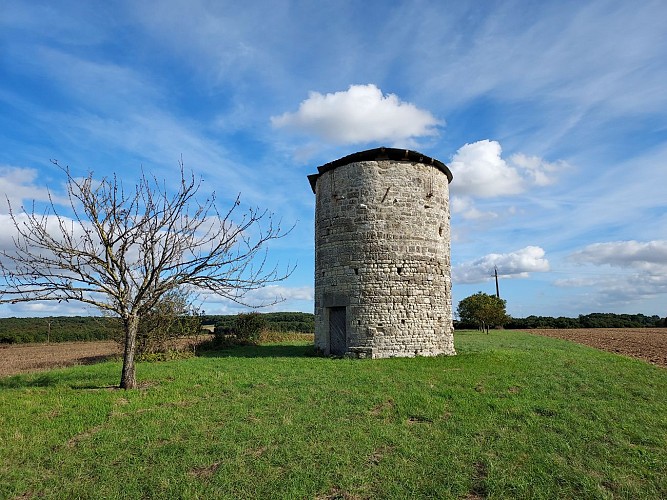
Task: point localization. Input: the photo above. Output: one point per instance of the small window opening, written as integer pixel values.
(399, 270)
(402, 321)
(356, 271)
(440, 231)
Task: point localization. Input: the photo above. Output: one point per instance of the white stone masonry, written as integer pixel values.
(382, 256)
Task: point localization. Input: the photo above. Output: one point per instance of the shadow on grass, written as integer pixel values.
(260, 351)
(81, 381)
(61, 376)
(66, 380)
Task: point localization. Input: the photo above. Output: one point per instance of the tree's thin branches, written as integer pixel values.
(122, 250)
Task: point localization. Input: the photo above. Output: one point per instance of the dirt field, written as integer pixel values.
(25, 358)
(649, 344)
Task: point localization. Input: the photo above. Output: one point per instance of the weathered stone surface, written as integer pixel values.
(382, 250)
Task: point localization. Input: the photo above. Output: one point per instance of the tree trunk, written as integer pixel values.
(128, 378)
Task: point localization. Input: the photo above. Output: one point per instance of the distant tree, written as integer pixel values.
(125, 250)
(483, 310)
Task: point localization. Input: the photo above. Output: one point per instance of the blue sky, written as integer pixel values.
(552, 116)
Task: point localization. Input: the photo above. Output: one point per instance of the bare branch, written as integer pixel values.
(122, 250)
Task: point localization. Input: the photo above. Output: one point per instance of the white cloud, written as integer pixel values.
(607, 291)
(59, 228)
(286, 293)
(18, 186)
(535, 169)
(48, 308)
(465, 206)
(641, 272)
(290, 299)
(360, 114)
(479, 170)
(650, 256)
(7, 235)
(516, 264)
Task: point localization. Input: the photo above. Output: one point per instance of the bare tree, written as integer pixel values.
(122, 250)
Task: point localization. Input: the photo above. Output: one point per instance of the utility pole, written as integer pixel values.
(496, 275)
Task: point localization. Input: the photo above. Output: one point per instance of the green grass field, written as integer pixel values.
(512, 416)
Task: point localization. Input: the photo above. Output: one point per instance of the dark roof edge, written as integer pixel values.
(394, 154)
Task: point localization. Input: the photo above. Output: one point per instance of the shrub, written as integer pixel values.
(167, 355)
(248, 327)
(269, 335)
(170, 319)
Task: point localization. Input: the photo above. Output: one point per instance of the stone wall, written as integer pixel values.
(382, 246)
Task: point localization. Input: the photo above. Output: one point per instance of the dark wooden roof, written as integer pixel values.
(393, 154)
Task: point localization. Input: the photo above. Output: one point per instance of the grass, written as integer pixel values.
(513, 415)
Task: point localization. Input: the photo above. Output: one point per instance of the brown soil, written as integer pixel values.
(24, 358)
(649, 344)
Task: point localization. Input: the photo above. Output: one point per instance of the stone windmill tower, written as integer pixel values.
(382, 255)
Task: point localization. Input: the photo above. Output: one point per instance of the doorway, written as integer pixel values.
(337, 331)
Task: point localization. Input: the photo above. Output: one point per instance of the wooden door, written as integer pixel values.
(337, 331)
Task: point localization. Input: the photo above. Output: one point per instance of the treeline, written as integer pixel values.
(276, 321)
(76, 328)
(57, 329)
(594, 320)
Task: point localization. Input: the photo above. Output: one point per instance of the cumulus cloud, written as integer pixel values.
(516, 264)
(535, 170)
(481, 171)
(358, 115)
(18, 186)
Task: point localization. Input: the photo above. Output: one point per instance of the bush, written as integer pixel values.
(167, 355)
(172, 318)
(248, 327)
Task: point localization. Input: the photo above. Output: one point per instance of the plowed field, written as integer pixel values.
(649, 344)
(25, 358)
